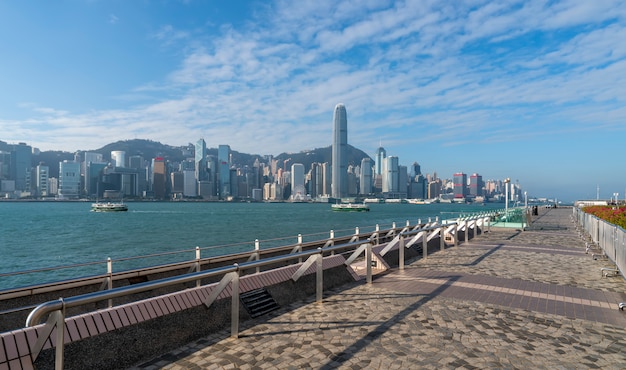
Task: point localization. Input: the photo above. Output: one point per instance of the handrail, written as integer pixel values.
(173, 264)
(47, 307)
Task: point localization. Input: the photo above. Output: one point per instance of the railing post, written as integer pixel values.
(424, 244)
(408, 223)
(332, 239)
(257, 249)
(110, 278)
(466, 231)
(60, 340)
(198, 282)
(456, 234)
(377, 234)
(234, 313)
(401, 252)
(299, 247)
(319, 277)
(442, 242)
(368, 261)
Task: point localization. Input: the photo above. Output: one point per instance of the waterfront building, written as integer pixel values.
(41, 180)
(207, 189)
(390, 178)
(53, 185)
(69, 180)
(189, 183)
(434, 189)
(177, 179)
(366, 176)
(476, 185)
(159, 178)
(223, 158)
(460, 185)
(118, 158)
(403, 181)
(314, 180)
(91, 168)
(339, 180)
(326, 179)
(298, 191)
(21, 155)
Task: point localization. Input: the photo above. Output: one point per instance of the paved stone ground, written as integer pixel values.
(505, 300)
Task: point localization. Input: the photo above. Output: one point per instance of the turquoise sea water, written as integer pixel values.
(36, 235)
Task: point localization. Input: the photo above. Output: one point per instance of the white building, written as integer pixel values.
(298, 190)
(69, 180)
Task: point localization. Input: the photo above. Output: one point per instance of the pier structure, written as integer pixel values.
(508, 299)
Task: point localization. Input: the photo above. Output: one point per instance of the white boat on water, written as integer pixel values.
(109, 207)
(350, 207)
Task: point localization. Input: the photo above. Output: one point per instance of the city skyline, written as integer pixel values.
(529, 90)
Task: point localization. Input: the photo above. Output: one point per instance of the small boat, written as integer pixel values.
(350, 207)
(109, 207)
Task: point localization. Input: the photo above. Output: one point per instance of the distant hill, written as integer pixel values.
(151, 149)
(321, 155)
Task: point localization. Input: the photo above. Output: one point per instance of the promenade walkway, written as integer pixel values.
(505, 300)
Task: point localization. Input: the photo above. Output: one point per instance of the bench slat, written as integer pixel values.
(81, 325)
(3, 355)
(90, 323)
(131, 315)
(100, 325)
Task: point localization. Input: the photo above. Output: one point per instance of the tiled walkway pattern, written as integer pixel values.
(505, 300)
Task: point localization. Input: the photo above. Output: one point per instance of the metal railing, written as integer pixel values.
(230, 276)
(609, 237)
(117, 269)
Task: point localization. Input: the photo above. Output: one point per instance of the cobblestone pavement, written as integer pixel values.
(505, 300)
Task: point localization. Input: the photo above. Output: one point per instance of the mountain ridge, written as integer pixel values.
(152, 149)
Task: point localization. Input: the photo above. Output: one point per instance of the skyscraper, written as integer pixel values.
(339, 152)
(223, 157)
(298, 191)
(460, 185)
(381, 154)
(21, 165)
(366, 176)
(200, 161)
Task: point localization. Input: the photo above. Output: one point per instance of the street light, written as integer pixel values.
(506, 198)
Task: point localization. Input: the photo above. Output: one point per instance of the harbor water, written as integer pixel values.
(39, 235)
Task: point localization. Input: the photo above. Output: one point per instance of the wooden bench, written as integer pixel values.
(18, 348)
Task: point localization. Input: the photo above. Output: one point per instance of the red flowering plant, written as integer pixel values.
(612, 214)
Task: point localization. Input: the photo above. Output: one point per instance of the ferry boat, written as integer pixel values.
(350, 207)
(109, 207)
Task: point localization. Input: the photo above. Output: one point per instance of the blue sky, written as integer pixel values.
(532, 90)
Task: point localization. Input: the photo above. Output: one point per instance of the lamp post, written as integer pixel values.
(506, 198)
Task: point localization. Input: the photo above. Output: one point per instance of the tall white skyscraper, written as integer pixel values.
(366, 176)
(298, 191)
(339, 152)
